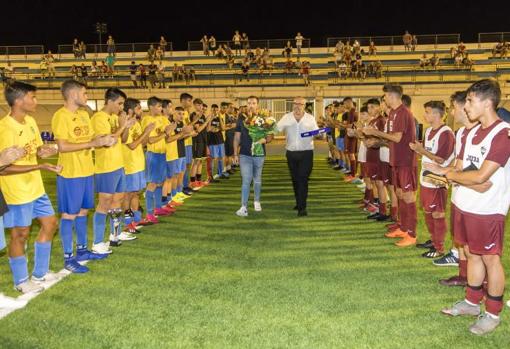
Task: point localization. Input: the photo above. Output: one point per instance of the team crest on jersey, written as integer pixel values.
(77, 131)
(483, 150)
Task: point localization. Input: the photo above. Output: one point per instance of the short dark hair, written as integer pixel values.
(373, 101)
(224, 104)
(393, 88)
(363, 109)
(214, 106)
(130, 103)
(185, 96)
(113, 93)
(407, 100)
(253, 97)
(165, 102)
(487, 89)
(179, 108)
(336, 104)
(437, 105)
(152, 101)
(459, 97)
(17, 90)
(198, 101)
(347, 99)
(69, 85)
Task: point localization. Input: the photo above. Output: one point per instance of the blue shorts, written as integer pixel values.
(135, 182)
(23, 215)
(217, 151)
(181, 165)
(111, 182)
(189, 154)
(340, 144)
(155, 171)
(171, 169)
(2, 234)
(73, 194)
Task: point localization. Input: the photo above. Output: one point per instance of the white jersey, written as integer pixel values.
(432, 146)
(362, 152)
(458, 148)
(384, 152)
(497, 199)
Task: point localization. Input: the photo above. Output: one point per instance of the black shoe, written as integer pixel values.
(302, 213)
(295, 208)
(224, 177)
(187, 191)
(383, 218)
(373, 215)
(231, 171)
(212, 180)
(338, 168)
(115, 243)
(427, 244)
(432, 253)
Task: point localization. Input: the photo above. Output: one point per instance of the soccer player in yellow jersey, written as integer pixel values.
(134, 164)
(155, 160)
(109, 170)
(186, 104)
(75, 184)
(24, 190)
(169, 186)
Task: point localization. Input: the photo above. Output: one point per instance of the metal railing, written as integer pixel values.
(9, 51)
(493, 37)
(396, 42)
(130, 48)
(253, 45)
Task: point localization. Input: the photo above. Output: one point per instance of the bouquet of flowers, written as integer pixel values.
(259, 126)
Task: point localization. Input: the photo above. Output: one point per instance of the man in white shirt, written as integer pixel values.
(299, 150)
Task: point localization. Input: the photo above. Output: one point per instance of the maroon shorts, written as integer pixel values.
(351, 145)
(372, 170)
(482, 234)
(405, 178)
(384, 173)
(433, 199)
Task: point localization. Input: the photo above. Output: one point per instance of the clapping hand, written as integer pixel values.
(416, 147)
(47, 150)
(11, 154)
(52, 168)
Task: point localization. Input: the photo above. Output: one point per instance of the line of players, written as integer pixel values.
(102, 154)
(474, 160)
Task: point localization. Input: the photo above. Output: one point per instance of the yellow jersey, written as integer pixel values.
(108, 159)
(21, 188)
(161, 123)
(134, 160)
(187, 121)
(74, 128)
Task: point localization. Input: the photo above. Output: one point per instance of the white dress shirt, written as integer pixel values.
(293, 130)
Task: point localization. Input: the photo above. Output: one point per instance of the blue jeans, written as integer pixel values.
(251, 170)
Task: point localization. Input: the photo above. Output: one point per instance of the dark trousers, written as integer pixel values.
(300, 166)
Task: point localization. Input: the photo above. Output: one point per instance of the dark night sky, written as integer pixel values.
(58, 22)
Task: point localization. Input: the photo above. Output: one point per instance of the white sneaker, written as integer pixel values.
(11, 303)
(361, 186)
(216, 176)
(29, 287)
(257, 206)
(125, 236)
(49, 277)
(508, 303)
(102, 248)
(242, 212)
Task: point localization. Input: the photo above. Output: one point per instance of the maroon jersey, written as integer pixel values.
(373, 153)
(402, 121)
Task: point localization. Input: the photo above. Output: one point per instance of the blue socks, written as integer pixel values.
(138, 216)
(99, 227)
(220, 167)
(19, 269)
(149, 201)
(186, 178)
(174, 192)
(66, 235)
(179, 188)
(42, 257)
(157, 196)
(81, 227)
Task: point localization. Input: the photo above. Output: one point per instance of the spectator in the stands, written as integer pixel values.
(110, 46)
(289, 66)
(434, 61)
(142, 72)
(461, 49)
(407, 39)
(110, 62)
(424, 61)
(414, 43)
(43, 68)
(205, 45)
(245, 41)
(372, 50)
(287, 51)
(151, 53)
(245, 68)
(342, 70)
(152, 68)
(76, 48)
(84, 73)
(93, 70)
(159, 54)
(338, 56)
(163, 43)
(220, 53)
(305, 72)
(133, 68)
(299, 42)
(458, 60)
(501, 49)
(161, 75)
(104, 70)
(50, 64)
(236, 40)
(212, 45)
(230, 62)
(83, 50)
(74, 72)
(467, 62)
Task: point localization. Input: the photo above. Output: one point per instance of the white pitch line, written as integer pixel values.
(29, 296)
